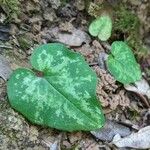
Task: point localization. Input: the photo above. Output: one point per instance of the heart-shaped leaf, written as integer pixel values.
(64, 98)
(101, 27)
(122, 64)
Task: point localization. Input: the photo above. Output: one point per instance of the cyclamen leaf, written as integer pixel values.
(64, 98)
(122, 64)
(101, 27)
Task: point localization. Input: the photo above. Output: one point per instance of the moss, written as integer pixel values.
(125, 20)
(127, 24)
(11, 7)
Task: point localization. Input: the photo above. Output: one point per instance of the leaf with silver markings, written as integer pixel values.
(122, 64)
(64, 97)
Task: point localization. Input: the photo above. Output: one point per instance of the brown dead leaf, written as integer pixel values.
(105, 91)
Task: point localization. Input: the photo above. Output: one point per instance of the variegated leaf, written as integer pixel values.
(101, 27)
(64, 98)
(122, 64)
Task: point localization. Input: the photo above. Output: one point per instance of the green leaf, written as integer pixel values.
(101, 27)
(64, 98)
(122, 64)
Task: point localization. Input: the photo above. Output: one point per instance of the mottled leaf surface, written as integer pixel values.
(122, 64)
(64, 98)
(101, 27)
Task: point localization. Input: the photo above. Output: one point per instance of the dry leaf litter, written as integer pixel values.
(106, 91)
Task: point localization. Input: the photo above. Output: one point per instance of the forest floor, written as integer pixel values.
(26, 24)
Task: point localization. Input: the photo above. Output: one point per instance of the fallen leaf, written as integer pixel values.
(139, 140)
(5, 69)
(110, 129)
(141, 87)
(75, 38)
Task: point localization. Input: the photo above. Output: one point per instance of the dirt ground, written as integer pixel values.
(42, 21)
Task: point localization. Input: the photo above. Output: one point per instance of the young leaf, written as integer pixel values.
(122, 64)
(64, 98)
(101, 27)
